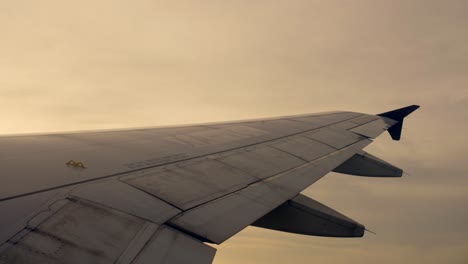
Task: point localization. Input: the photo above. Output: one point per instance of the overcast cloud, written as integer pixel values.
(76, 65)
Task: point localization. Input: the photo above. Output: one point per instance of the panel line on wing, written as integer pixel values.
(292, 154)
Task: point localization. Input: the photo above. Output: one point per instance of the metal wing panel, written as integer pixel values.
(138, 243)
(125, 198)
(220, 219)
(303, 147)
(326, 120)
(85, 232)
(261, 162)
(16, 213)
(192, 183)
(364, 119)
(354, 122)
(244, 129)
(374, 128)
(335, 138)
(45, 171)
(282, 127)
(207, 137)
(78, 233)
(169, 246)
(346, 125)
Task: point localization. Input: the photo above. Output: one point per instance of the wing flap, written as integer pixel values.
(86, 232)
(171, 246)
(80, 232)
(220, 219)
(125, 198)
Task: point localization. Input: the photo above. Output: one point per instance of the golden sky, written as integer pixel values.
(75, 65)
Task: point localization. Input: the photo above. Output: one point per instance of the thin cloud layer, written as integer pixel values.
(109, 64)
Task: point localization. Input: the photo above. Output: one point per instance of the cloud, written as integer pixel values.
(108, 64)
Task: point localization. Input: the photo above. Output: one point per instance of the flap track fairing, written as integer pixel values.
(303, 215)
(364, 164)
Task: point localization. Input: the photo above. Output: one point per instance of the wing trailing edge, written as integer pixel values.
(398, 115)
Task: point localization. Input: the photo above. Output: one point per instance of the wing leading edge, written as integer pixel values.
(188, 186)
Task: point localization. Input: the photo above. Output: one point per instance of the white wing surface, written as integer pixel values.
(162, 195)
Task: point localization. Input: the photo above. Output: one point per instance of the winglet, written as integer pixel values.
(398, 115)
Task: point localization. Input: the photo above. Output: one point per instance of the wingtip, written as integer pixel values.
(399, 114)
(414, 107)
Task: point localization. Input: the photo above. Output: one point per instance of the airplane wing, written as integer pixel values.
(163, 195)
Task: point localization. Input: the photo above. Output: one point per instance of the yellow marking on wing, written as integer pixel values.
(75, 164)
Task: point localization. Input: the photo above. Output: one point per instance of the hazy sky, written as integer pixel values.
(74, 65)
